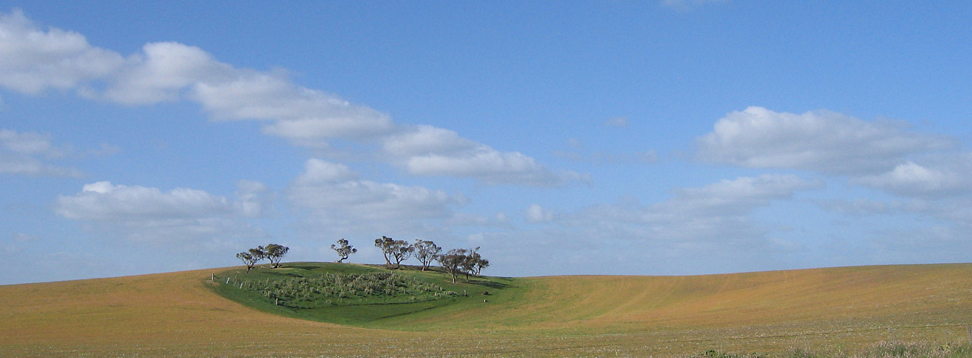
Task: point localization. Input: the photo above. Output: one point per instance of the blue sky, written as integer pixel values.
(648, 138)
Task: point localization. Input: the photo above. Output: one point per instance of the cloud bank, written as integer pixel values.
(336, 198)
(33, 61)
(142, 214)
(29, 153)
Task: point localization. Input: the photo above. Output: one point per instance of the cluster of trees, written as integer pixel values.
(455, 261)
(272, 252)
(462, 261)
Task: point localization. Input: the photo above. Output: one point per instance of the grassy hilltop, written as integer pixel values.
(835, 311)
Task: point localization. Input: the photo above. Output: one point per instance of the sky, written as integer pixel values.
(672, 137)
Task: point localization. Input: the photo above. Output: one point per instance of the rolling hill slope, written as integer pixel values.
(178, 314)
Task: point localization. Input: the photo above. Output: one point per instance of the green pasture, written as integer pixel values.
(356, 309)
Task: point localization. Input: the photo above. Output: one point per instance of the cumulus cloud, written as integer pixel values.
(703, 229)
(719, 211)
(162, 72)
(29, 153)
(253, 199)
(538, 214)
(33, 60)
(335, 197)
(433, 151)
(933, 177)
(885, 155)
(821, 141)
(148, 214)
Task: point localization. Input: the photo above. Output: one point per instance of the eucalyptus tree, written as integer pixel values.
(251, 257)
(343, 249)
(274, 253)
(399, 250)
(425, 252)
(452, 261)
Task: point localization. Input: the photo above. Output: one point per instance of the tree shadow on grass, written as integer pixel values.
(487, 283)
(302, 266)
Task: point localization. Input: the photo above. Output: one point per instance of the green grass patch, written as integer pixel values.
(349, 293)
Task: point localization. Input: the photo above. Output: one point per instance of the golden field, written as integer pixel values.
(835, 310)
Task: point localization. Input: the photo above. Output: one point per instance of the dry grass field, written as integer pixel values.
(837, 311)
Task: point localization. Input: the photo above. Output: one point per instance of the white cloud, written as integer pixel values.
(735, 196)
(861, 207)
(29, 143)
(253, 199)
(719, 212)
(28, 153)
(617, 122)
(32, 61)
(933, 178)
(427, 140)
(821, 141)
(706, 229)
(162, 72)
(319, 172)
(432, 151)
(148, 214)
(485, 164)
(337, 199)
(106, 201)
(538, 214)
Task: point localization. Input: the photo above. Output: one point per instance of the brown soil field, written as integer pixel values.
(823, 310)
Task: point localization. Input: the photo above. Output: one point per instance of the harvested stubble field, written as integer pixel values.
(833, 311)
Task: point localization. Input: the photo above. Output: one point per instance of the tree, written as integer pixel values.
(343, 250)
(274, 253)
(481, 263)
(251, 258)
(462, 261)
(399, 250)
(425, 251)
(452, 261)
(470, 262)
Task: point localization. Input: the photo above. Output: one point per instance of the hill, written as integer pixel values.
(180, 314)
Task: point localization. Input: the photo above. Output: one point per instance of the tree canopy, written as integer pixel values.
(274, 253)
(343, 249)
(425, 252)
(462, 261)
(251, 257)
(399, 250)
